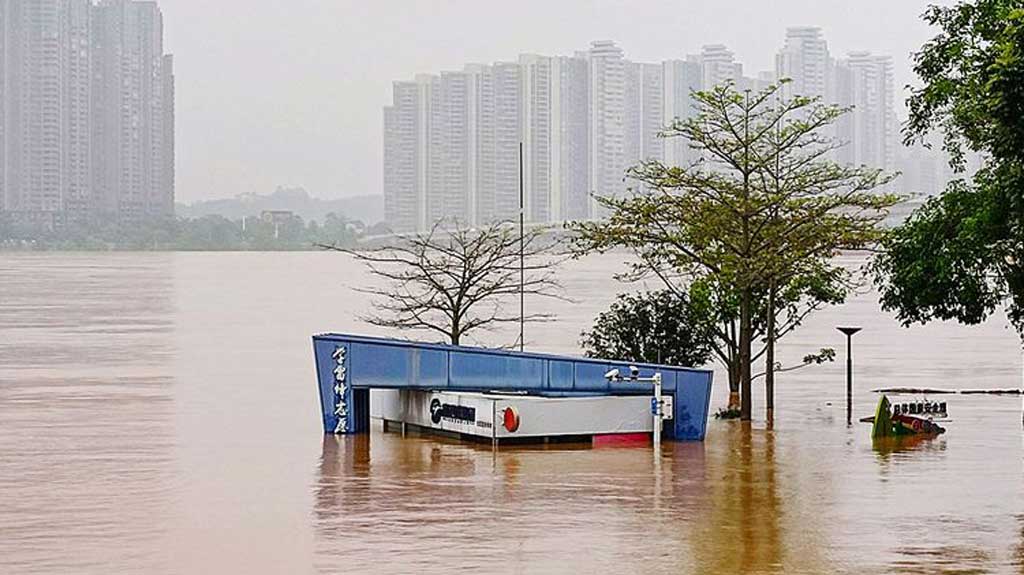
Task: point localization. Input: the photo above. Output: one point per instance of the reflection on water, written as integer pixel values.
(424, 503)
(743, 532)
(886, 447)
(158, 414)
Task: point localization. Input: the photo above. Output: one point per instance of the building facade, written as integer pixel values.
(680, 78)
(607, 123)
(805, 61)
(868, 132)
(88, 111)
(451, 140)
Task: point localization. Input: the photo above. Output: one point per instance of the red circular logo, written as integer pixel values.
(510, 420)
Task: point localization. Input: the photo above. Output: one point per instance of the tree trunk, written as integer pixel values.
(746, 337)
(769, 368)
(734, 384)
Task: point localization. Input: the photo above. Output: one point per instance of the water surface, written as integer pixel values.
(158, 414)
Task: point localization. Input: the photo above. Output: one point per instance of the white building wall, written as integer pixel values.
(607, 123)
(805, 60)
(680, 78)
(571, 134)
(718, 66)
(865, 83)
(539, 117)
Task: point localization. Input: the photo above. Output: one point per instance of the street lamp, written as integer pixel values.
(849, 331)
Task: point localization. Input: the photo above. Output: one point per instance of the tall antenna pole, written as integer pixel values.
(522, 252)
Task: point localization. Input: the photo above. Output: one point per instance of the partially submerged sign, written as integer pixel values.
(348, 366)
(498, 416)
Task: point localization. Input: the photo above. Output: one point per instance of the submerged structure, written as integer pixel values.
(896, 420)
(494, 393)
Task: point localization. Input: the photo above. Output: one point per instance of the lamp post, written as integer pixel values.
(849, 331)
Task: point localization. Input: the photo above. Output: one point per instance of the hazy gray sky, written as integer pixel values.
(290, 92)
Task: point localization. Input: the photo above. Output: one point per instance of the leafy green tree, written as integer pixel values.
(651, 327)
(763, 211)
(961, 255)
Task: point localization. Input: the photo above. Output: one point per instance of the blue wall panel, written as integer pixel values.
(692, 401)
(393, 366)
(590, 377)
(560, 375)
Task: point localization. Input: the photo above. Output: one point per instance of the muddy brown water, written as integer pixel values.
(158, 414)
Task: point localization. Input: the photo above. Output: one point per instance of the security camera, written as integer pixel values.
(612, 375)
(634, 371)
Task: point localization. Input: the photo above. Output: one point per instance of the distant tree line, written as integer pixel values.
(280, 231)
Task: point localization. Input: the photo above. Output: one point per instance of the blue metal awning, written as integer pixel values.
(348, 366)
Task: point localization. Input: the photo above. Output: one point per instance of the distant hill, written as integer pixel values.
(367, 209)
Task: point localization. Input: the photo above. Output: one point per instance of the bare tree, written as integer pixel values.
(453, 280)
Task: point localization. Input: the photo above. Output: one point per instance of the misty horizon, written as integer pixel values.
(294, 97)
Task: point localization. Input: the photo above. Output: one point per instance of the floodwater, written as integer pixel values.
(158, 414)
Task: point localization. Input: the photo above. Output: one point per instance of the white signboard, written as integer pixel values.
(509, 416)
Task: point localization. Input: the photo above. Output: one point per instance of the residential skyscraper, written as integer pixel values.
(131, 151)
(644, 109)
(804, 59)
(45, 118)
(570, 198)
(500, 108)
(450, 154)
(451, 145)
(719, 66)
(539, 138)
(554, 128)
(680, 78)
(865, 83)
(607, 122)
(87, 119)
(404, 190)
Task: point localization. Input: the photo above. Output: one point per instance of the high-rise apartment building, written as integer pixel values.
(718, 66)
(498, 125)
(865, 83)
(449, 153)
(131, 176)
(607, 122)
(87, 119)
(451, 147)
(539, 137)
(644, 109)
(403, 199)
(680, 78)
(451, 141)
(805, 61)
(570, 197)
(45, 118)
(555, 144)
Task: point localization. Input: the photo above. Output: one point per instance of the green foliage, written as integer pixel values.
(651, 327)
(763, 211)
(961, 255)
